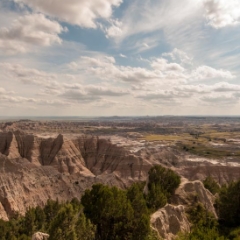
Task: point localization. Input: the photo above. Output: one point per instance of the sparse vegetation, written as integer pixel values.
(162, 183)
(109, 213)
(104, 213)
(211, 185)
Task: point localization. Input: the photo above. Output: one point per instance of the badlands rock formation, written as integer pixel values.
(40, 236)
(34, 169)
(191, 192)
(169, 221)
(172, 219)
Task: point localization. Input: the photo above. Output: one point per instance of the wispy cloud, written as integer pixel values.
(222, 13)
(83, 13)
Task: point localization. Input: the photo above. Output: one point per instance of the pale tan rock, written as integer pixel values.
(169, 221)
(191, 192)
(41, 168)
(40, 236)
(3, 214)
(5, 141)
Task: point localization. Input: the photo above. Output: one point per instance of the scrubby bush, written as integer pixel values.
(162, 183)
(211, 185)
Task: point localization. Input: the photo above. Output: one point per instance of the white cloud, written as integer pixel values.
(178, 55)
(83, 13)
(148, 16)
(28, 31)
(114, 31)
(220, 99)
(163, 65)
(222, 13)
(105, 91)
(167, 95)
(10, 97)
(90, 93)
(201, 89)
(32, 101)
(122, 55)
(143, 44)
(206, 72)
(33, 76)
(104, 67)
(224, 87)
(4, 92)
(27, 75)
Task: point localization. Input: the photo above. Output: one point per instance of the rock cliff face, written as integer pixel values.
(172, 219)
(169, 221)
(191, 192)
(40, 236)
(34, 168)
(221, 174)
(5, 141)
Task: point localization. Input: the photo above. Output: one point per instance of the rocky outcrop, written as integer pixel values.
(3, 213)
(172, 219)
(84, 153)
(221, 174)
(193, 192)
(49, 148)
(25, 144)
(102, 157)
(5, 141)
(40, 236)
(34, 169)
(169, 221)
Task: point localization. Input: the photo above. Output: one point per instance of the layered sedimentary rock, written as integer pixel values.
(40, 236)
(34, 169)
(169, 221)
(5, 141)
(221, 173)
(192, 192)
(172, 219)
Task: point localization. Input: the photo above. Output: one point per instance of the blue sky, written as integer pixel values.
(119, 57)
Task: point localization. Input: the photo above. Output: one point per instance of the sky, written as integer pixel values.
(119, 57)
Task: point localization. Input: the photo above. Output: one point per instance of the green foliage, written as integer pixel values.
(152, 235)
(104, 213)
(65, 221)
(84, 229)
(235, 234)
(200, 217)
(201, 234)
(63, 225)
(204, 225)
(228, 205)
(141, 220)
(161, 185)
(211, 185)
(110, 210)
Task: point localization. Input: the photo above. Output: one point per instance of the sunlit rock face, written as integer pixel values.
(169, 221)
(192, 192)
(172, 219)
(34, 169)
(40, 236)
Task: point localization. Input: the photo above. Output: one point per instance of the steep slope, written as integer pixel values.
(169, 221)
(172, 219)
(34, 169)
